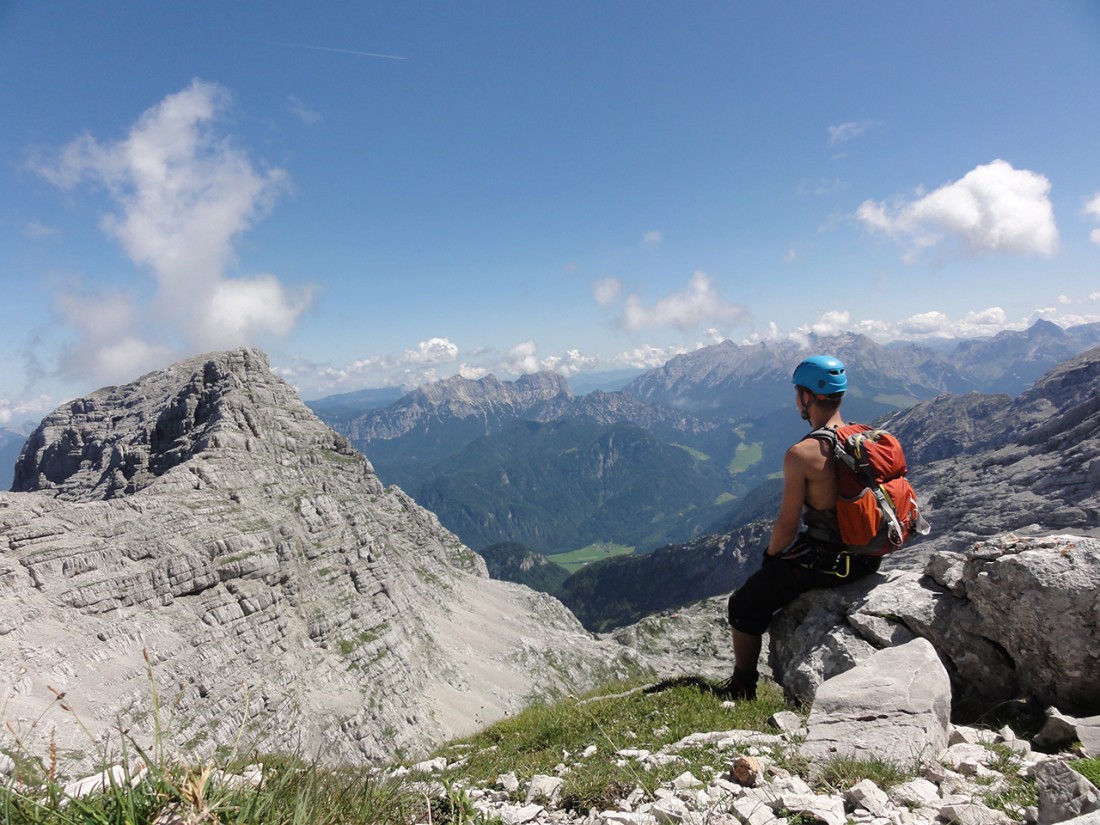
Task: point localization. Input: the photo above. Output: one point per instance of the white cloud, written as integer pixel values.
(571, 362)
(653, 238)
(1094, 296)
(697, 305)
(843, 132)
(791, 256)
(1092, 208)
(106, 347)
(473, 373)
(432, 351)
(15, 410)
(648, 356)
(607, 290)
(831, 323)
(429, 361)
(242, 310)
(183, 193)
(523, 358)
(922, 326)
(413, 367)
(308, 116)
(993, 208)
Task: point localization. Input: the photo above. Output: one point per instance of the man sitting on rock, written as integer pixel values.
(805, 550)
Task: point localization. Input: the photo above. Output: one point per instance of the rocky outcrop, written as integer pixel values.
(1012, 617)
(1035, 467)
(200, 530)
(894, 707)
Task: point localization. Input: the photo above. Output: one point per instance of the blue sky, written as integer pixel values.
(386, 193)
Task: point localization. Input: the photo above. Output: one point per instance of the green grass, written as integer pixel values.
(745, 456)
(534, 741)
(538, 740)
(1088, 768)
(576, 559)
(293, 793)
(1017, 791)
(698, 455)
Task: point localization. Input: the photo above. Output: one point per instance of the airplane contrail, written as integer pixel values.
(340, 51)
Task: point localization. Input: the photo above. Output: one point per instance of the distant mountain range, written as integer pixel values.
(724, 411)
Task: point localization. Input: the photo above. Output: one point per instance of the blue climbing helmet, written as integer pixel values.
(822, 375)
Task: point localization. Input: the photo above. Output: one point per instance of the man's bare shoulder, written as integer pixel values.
(807, 446)
(807, 452)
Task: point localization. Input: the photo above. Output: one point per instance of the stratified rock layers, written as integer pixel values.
(200, 532)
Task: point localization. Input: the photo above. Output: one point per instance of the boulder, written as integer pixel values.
(894, 707)
(1088, 731)
(1013, 616)
(1063, 793)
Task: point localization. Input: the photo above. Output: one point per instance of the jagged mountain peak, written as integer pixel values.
(525, 390)
(118, 440)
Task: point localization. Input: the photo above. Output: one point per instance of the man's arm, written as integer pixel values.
(789, 519)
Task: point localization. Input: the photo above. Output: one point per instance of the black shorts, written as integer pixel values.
(776, 585)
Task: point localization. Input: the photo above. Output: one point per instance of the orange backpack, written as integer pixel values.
(876, 508)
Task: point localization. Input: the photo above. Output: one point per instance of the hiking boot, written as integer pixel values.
(740, 685)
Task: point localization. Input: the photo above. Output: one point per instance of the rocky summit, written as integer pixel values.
(200, 534)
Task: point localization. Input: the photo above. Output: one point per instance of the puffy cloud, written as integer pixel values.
(106, 347)
(183, 194)
(412, 367)
(1092, 208)
(571, 362)
(241, 310)
(922, 326)
(473, 373)
(648, 356)
(653, 238)
(993, 208)
(831, 323)
(432, 351)
(523, 358)
(697, 305)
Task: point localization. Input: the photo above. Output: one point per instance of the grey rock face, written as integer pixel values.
(1035, 466)
(1064, 793)
(1012, 616)
(894, 706)
(201, 528)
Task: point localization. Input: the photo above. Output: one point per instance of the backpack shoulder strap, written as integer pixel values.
(837, 437)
